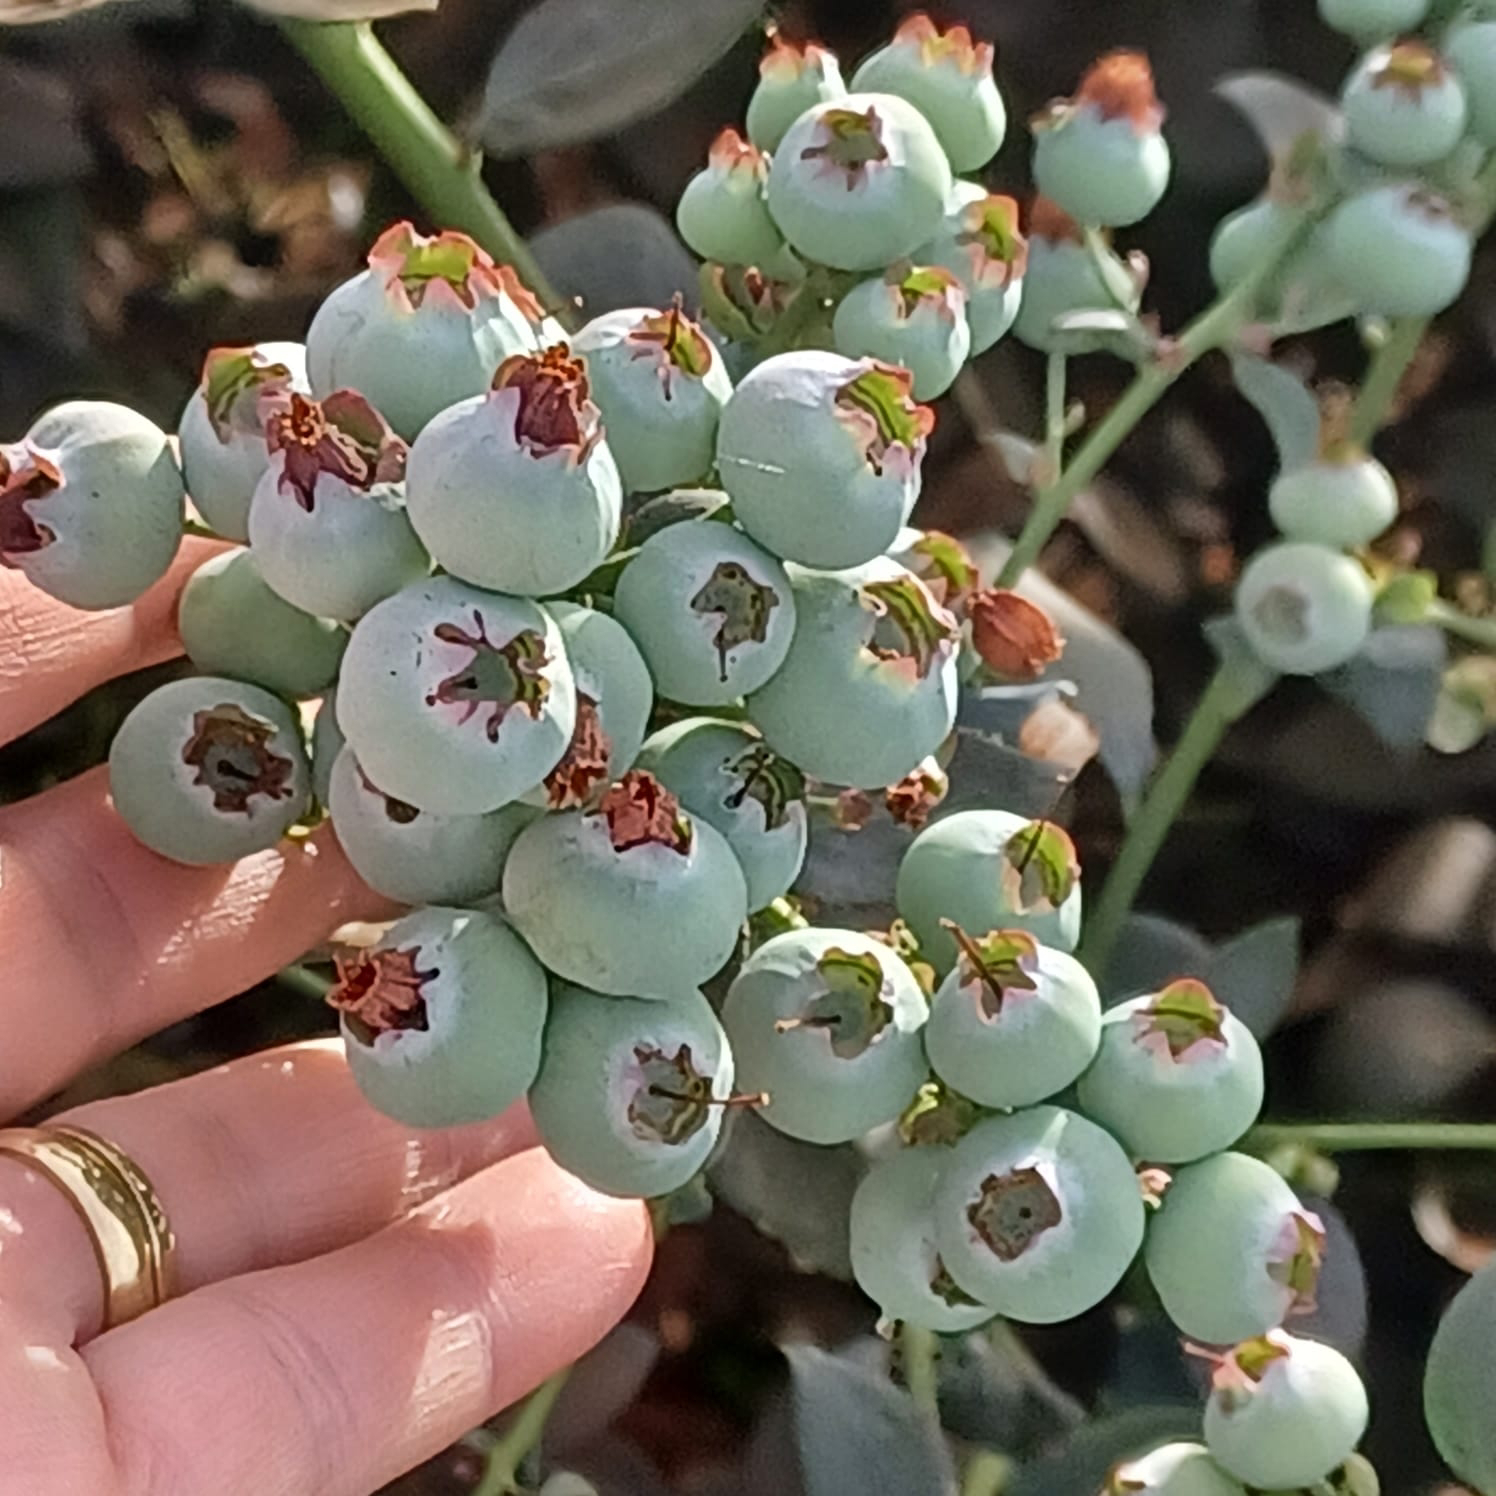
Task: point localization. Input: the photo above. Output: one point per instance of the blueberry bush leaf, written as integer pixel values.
(1282, 400)
(1254, 973)
(1457, 1383)
(1395, 681)
(1081, 1463)
(1281, 110)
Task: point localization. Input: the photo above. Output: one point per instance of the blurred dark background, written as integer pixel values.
(173, 177)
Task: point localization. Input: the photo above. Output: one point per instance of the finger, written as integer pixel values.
(368, 1360)
(105, 941)
(267, 1160)
(50, 654)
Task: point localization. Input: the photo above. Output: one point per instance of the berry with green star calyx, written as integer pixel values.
(979, 243)
(1398, 250)
(91, 504)
(989, 870)
(826, 1023)
(723, 214)
(1038, 1214)
(948, 78)
(791, 79)
(734, 781)
(423, 327)
(821, 456)
(1177, 1076)
(1403, 105)
(455, 700)
(1344, 498)
(1014, 1022)
(631, 1091)
(222, 429)
(206, 770)
(632, 896)
(1063, 275)
(1470, 49)
(868, 689)
(327, 522)
(892, 1242)
(1284, 1412)
(1304, 608)
(661, 385)
(1172, 1470)
(1101, 155)
(712, 613)
(517, 490)
(859, 183)
(915, 317)
(442, 1017)
(1232, 1252)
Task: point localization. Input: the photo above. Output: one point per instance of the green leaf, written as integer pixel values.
(621, 255)
(1150, 953)
(1282, 110)
(1081, 1464)
(1458, 1379)
(1254, 973)
(1394, 681)
(1284, 402)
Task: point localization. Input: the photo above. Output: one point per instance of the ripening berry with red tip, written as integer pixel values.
(1177, 1076)
(791, 78)
(912, 316)
(1101, 155)
(1062, 276)
(517, 490)
(722, 213)
(1404, 105)
(980, 244)
(948, 78)
(423, 327)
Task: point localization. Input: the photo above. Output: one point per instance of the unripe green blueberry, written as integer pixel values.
(729, 777)
(859, 183)
(1470, 48)
(1398, 249)
(791, 79)
(1173, 1470)
(712, 613)
(1370, 19)
(915, 317)
(1345, 499)
(1245, 238)
(416, 856)
(206, 770)
(989, 870)
(661, 386)
(631, 1090)
(327, 521)
(1284, 1412)
(222, 429)
(821, 456)
(456, 700)
(1014, 1022)
(568, 1483)
(1062, 277)
(631, 897)
(826, 1023)
(868, 689)
(91, 504)
(423, 327)
(948, 78)
(517, 490)
(894, 1256)
(1232, 1252)
(1176, 1077)
(442, 1017)
(1304, 608)
(1101, 155)
(941, 562)
(1403, 105)
(723, 214)
(1038, 1214)
(979, 243)
(232, 624)
(326, 745)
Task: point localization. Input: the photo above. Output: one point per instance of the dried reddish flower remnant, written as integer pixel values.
(1013, 1211)
(496, 676)
(742, 604)
(640, 811)
(556, 413)
(1120, 86)
(1015, 637)
(584, 765)
(1048, 220)
(342, 436)
(911, 800)
(953, 45)
(379, 991)
(25, 476)
(230, 749)
(449, 264)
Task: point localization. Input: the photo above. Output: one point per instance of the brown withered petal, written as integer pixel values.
(1015, 637)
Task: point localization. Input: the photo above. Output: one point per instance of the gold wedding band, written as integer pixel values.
(132, 1239)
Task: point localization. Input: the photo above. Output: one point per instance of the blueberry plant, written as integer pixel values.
(609, 622)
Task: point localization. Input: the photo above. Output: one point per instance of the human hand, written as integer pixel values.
(352, 1295)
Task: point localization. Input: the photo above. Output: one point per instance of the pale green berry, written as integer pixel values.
(791, 79)
(232, 624)
(1369, 19)
(1177, 1076)
(1245, 238)
(1398, 250)
(1470, 48)
(915, 317)
(1284, 1412)
(979, 243)
(723, 214)
(892, 1239)
(989, 870)
(1344, 500)
(442, 1017)
(1038, 1214)
(1304, 608)
(859, 183)
(1403, 105)
(826, 1023)
(1062, 277)
(206, 770)
(1232, 1252)
(1173, 1470)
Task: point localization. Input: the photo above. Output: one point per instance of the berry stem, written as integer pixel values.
(1054, 416)
(441, 173)
(506, 1457)
(195, 527)
(987, 1473)
(1367, 1137)
(1384, 377)
(1478, 631)
(920, 1349)
(303, 981)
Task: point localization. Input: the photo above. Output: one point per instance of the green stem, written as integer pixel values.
(1365, 1137)
(1478, 631)
(514, 1446)
(987, 1474)
(1054, 415)
(442, 174)
(920, 1349)
(193, 527)
(1384, 377)
(303, 981)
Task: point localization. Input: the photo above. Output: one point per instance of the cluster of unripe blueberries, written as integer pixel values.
(570, 702)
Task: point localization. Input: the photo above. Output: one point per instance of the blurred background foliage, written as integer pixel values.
(172, 177)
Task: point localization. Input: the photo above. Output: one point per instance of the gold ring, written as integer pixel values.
(132, 1239)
